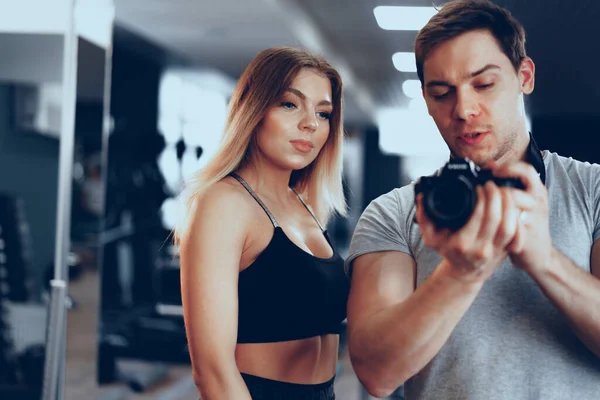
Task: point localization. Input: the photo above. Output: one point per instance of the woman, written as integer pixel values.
(264, 292)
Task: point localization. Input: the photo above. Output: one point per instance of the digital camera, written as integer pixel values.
(449, 196)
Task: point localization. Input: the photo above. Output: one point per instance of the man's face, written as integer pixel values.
(474, 95)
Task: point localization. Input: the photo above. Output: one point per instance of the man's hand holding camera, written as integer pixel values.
(531, 249)
(505, 221)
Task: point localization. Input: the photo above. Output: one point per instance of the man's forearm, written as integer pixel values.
(393, 345)
(576, 293)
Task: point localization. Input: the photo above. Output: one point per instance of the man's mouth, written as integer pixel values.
(473, 138)
(472, 135)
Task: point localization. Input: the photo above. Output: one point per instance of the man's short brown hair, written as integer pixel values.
(461, 16)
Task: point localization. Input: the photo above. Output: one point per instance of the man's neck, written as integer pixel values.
(518, 152)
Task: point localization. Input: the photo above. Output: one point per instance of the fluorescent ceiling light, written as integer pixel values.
(417, 106)
(412, 88)
(407, 133)
(404, 62)
(403, 18)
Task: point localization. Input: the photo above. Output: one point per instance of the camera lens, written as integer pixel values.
(450, 203)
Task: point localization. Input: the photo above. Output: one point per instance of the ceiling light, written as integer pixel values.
(407, 133)
(404, 62)
(412, 88)
(417, 106)
(403, 18)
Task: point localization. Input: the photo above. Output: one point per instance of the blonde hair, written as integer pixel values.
(261, 85)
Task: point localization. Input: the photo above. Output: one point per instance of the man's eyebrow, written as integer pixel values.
(484, 69)
(436, 83)
(472, 75)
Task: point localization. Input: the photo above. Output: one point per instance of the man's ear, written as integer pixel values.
(527, 75)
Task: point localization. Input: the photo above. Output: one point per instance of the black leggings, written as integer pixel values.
(267, 389)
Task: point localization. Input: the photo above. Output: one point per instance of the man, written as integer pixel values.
(508, 306)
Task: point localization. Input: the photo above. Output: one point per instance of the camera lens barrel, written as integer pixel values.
(450, 203)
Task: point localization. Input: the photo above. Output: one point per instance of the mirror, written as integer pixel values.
(92, 124)
(53, 127)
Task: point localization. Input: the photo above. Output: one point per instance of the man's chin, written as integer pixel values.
(480, 158)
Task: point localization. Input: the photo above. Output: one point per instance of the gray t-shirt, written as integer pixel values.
(512, 343)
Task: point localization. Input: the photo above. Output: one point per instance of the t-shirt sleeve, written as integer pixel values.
(381, 227)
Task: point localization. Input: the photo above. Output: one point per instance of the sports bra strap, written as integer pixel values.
(309, 210)
(258, 200)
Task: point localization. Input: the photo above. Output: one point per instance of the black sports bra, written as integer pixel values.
(287, 293)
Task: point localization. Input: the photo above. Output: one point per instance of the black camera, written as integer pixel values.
(449, 196)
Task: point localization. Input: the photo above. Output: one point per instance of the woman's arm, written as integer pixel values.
(210, 259)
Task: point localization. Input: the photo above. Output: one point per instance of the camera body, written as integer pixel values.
(449, 197)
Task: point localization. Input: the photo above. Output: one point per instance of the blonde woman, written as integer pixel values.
(264, 291)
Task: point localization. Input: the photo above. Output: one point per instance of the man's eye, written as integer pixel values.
(440, 96)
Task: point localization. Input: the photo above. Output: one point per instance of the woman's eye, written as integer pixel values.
(324, 115)
(288, 105)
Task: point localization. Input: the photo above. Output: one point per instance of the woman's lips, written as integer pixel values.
(303, 146)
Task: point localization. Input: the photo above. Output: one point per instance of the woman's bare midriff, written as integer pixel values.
(305, 361)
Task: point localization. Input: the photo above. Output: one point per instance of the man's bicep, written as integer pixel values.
(595, 261)
(379, 280)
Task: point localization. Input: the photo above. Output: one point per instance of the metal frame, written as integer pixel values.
(55, 356)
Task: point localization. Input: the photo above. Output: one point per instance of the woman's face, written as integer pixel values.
(295, 129)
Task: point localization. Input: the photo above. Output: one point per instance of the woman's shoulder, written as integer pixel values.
(225, 199)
